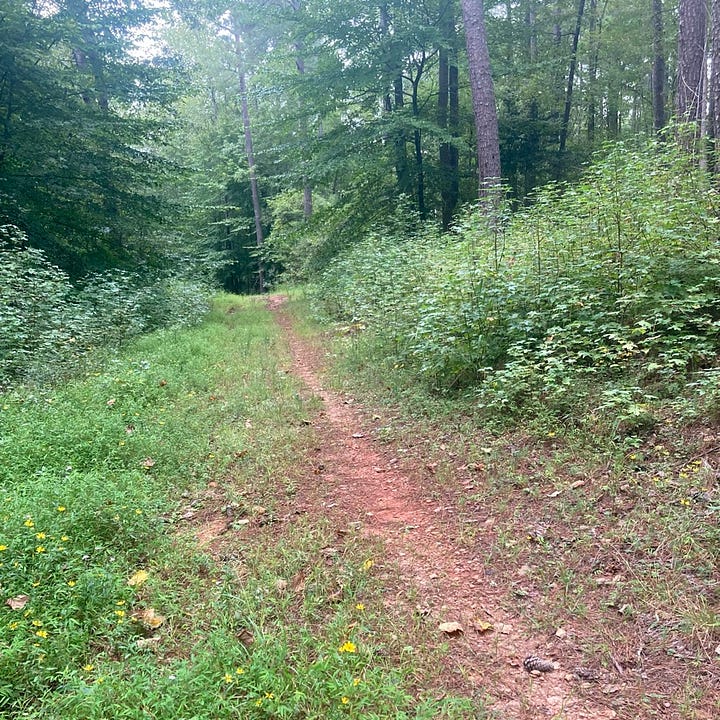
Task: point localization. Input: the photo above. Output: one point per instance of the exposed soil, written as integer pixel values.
(357, 482)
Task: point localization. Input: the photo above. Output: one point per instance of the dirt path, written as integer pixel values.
(361, 485)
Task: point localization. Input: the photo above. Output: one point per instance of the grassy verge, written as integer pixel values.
(151, 564)
(607, 542)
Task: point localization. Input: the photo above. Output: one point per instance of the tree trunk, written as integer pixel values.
(402, 167)
(296, 5)
(593, 70)
(659, 69)
(448, 112)
(260, 240)
(715, 84)
(571, 76)
(483, 96)
(531, 22)
(691, 55)
(417, 136)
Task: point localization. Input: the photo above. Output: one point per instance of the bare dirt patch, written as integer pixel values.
(359, 484)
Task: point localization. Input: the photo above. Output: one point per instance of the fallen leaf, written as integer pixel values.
(717, 650)
(111, 402)
(298, 583)
(248, 425)
(18, 602)
(611, 689)
(245, 637)
(358, 435)
(450, 628)
(481, 626)
(577, 484)
(503, 628)
(138, 578)
(561, 633)
(150, 642)
(149, 618)
(148, 462)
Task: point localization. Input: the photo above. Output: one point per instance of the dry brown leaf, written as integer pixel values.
(148, 462)
(298, 583)
(245, 637)
(149, 618)
(151, 642)
(18, 602)
(450, 628)
(503, 628)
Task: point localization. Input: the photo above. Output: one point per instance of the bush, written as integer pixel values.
(48, 326)
(616, 277)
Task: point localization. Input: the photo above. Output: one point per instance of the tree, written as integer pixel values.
(658, 69)
(483, 97)
(448, 110)
(571, 76)
(79, 118)
(691, 60)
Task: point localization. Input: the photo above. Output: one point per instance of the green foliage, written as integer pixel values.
(80, 117)
(48, 325)
(614, 278)
(96, 480)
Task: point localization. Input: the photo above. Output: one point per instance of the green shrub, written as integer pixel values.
(616, 277)
(48, 326)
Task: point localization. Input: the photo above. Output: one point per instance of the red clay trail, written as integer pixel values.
(363, 486)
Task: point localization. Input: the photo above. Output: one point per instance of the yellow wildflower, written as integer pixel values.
(61, 508)
(72, 583)
(42, 633)
(40, 549)
(228, 678)
(368, 564)
(89, 667)
(40, 536)
(3, 547)
(29, 523)
(348, 647)
(344, 700)
(360, 607)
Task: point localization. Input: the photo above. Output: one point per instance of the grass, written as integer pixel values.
(611, 537)
(151, 564)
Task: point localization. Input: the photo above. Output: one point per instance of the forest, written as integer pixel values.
(506, 215)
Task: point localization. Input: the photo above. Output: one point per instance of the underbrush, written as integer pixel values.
(112, 607)
(49, 326)
(602, 295)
